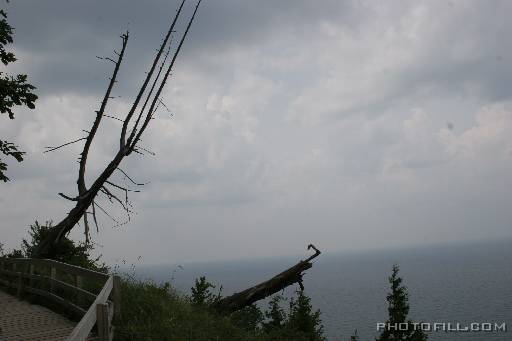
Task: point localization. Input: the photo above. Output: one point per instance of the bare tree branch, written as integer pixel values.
(113, 117)
(113, 196)
(86, 229)
(106, 58)
(122, 188)
(162, 84)
(94, 216)
(67, 197)
(87, 194)
(136, 125)
(147, 151)
(165, 106)
(51, 149)
(107, 214)
(148, 77)
(129, 178)
(99, 115)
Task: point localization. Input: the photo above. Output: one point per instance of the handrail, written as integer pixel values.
(95, 314)
(105, 305)
(64, 267)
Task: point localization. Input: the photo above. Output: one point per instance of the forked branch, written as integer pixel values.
(87, 195)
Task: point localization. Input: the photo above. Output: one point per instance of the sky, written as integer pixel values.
(352, 125)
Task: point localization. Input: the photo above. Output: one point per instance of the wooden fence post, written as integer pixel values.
(19, 286)
(53, 275)
(102, 322)
(116, 296)
(31, 280)
(78, 284)
(18, 280)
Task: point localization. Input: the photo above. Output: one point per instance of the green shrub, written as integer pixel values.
(276, 316)
(201, 294)
(303, 319)
(249, 318)
(66, 250)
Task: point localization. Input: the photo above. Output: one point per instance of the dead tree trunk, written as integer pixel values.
(133, 126)
(258, 292)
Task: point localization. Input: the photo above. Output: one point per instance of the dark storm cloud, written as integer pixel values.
(65, 36)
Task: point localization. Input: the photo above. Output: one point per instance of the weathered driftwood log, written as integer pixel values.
(258, 292)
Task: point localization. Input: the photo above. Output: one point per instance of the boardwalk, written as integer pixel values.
(69, 286)
(20, 320)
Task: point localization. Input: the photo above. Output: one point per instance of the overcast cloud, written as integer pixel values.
(350, 124)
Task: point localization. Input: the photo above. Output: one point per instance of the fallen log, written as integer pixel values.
(258, 292)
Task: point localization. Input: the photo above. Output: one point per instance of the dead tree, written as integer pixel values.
(134, 124)
(265, 289)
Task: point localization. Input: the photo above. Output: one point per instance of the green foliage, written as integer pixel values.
(302, 317)
(276, 316)
(398, 309)
(6, 32)
(65, 251)
(248, 318)
(14, 91)
(16, 253)
(201, 294)
(9, 149)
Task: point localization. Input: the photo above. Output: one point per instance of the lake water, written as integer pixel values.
(456, 283)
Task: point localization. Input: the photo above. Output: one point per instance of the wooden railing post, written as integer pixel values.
(78, 284)
(102, 322)
(31, 280)
(18, 279)
(19, 286)
(53, 275)
(116, 296)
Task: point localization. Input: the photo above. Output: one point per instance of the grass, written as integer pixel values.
(151, 311)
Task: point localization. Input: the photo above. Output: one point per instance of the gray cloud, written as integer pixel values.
(294, 122)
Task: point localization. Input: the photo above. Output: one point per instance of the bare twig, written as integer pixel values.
(51, 149)
(113, 117)
(129, 178)
(68, 197)
(94, 216)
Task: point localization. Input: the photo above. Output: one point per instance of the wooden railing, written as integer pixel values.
(92, 296)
